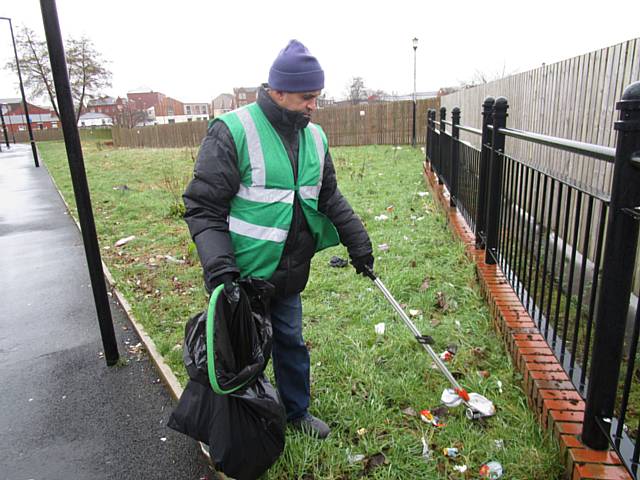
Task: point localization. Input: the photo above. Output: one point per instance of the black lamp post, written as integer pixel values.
(24, 98)
(413, 134)
(79, 177)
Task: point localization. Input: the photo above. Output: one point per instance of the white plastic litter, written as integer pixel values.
(491, 470)
(426, 451)
(476, 401)
(460, 468)
(381, 217)
(355, 458)
(379, 328)
(123, 241)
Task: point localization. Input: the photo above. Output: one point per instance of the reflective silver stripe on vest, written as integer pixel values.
(310, 192)
(317, 138)
(265, 195)
(258, 172)
(255, 231)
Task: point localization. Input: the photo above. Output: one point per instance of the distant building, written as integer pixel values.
(225, 102)
(15, 120)
(245, 95)
(116, 108)
(154, 108)
(196, 111)
(95, 119)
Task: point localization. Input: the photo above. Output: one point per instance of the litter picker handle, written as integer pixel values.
(416, 333)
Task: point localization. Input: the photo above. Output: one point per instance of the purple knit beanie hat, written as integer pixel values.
(296, 70)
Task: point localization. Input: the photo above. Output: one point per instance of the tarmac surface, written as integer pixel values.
(63, 413)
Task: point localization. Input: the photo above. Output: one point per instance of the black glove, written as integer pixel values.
(231, 288)
(225, 278)
(361, 264)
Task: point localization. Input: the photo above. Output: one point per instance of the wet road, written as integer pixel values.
(63, 413)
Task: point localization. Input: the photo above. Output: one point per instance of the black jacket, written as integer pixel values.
(216, 181)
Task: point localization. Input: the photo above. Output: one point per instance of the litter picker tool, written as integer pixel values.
(477, 406)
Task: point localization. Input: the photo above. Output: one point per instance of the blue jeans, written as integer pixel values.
(290, 355)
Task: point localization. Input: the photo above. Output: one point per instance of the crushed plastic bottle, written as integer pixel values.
(491, 470)
(451, 452)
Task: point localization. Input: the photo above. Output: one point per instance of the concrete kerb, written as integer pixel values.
(166, 374)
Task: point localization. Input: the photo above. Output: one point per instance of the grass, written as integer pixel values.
(361, 383)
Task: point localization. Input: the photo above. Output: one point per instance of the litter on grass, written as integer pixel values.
(460, 468)
(426, 451)
(446, 356)
(410, 412)
(383, 247)
(338, 262)
(476, 401)
(428, 417)
(423, 194)
(451, 452)
(381, 217)
(355, 458)
(491, 470)
(379, 328)
(123, 241)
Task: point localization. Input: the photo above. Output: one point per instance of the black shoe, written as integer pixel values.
(311, 425)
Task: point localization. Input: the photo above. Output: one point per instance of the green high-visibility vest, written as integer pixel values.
(261, 212)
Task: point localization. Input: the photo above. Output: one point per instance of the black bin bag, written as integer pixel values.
(228, 403)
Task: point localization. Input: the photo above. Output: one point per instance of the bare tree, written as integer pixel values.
(87, 71)
(36, 69)
(480, 77)
(356, 90)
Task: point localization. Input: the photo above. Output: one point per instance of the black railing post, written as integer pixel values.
(617, 271)
(483, 173)
(427, 138)
(442, 129)
(499, 120)
(432, 126)
(455, 156)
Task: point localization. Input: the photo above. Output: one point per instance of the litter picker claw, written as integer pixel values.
(477, 406)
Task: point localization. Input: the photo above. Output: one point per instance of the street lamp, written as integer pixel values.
(24, 99)
(413, 135)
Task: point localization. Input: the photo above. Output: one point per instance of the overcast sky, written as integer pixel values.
(193, 50)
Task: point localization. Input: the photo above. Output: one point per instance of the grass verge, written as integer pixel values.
(362, 384)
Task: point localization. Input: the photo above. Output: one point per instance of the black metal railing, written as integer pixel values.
(567, 249)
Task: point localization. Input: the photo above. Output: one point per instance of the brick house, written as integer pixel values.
(245, 95)
(116, 108)
(150, 108)
(15, 120)
(225, 102)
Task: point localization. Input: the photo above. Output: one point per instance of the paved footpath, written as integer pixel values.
(63, 413)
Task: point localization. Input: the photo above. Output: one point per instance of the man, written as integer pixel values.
(263, 200)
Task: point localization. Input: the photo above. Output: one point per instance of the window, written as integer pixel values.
(242, 96)
(189, 119)
(171, 120)
(82, 124)
(188, 109)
